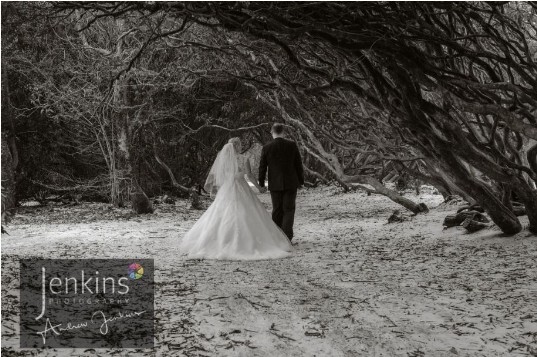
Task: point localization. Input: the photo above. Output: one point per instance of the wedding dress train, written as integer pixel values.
(236, 226)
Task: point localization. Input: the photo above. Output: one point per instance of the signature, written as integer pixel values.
(98, 317)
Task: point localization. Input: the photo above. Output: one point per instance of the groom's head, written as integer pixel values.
(277, 130)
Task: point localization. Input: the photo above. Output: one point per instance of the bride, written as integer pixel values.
(236, 226)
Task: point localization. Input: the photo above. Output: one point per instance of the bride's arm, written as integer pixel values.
(250, 176)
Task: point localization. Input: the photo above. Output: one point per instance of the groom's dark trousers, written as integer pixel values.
(285, 174)
(283, 210)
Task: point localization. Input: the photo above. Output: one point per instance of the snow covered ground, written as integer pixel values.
(356, 286)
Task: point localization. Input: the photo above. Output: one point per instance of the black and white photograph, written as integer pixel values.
(269, 178)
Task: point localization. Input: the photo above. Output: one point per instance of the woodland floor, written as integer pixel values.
(356, 286)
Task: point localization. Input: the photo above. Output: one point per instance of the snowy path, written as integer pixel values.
(356, 286)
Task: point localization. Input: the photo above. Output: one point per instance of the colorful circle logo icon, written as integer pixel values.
(136, 271)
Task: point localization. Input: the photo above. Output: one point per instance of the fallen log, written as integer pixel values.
(423, 208)
(451, 220)
(395, 217)
(518, 208)
(475, 207)
(472, 225)
(456, 219)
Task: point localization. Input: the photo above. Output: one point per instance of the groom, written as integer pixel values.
(285, 176)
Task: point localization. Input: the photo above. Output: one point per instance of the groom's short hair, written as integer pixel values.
(277, 128)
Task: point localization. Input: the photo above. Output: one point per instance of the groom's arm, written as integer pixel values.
(298, 166)
(262, 168)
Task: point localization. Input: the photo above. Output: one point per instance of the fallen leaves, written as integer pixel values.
(355, 284)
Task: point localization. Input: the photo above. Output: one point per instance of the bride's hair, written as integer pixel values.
(236, 143)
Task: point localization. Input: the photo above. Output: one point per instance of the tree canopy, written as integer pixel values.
(146, 92)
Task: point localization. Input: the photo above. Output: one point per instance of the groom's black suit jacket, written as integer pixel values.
(285, 171)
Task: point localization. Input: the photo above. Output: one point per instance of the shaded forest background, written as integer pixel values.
(118, 101)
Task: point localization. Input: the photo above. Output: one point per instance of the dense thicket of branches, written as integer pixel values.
(446, 92)
(89, 122)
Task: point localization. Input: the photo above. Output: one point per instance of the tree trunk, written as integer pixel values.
(128, 186)
(8, 182)
(8, 113)
(391, 194)
(121, 174)
(436, 171)
(140, 202)
(531, 156)
(528, 197)
(504, 218)
(499, 213)
(10, 154)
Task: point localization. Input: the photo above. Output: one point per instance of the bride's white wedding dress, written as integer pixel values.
(236, 226)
